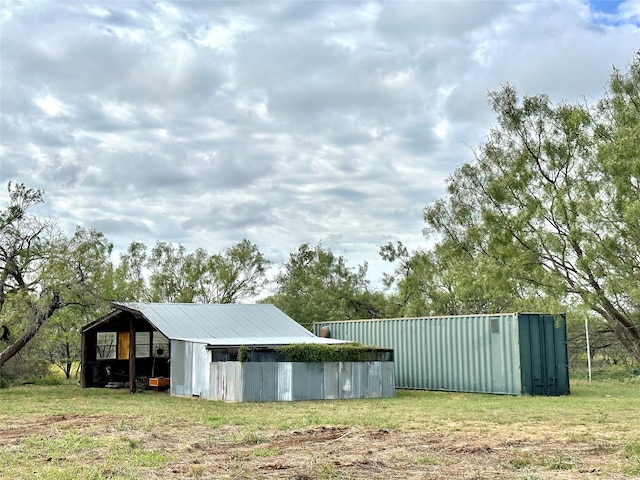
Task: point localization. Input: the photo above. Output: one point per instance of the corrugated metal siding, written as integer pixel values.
(445, 353)
(216, 381)
(190, 369)
(225, 383)
(201, 361)
(180, 368)
(234, 382)
(285, 381)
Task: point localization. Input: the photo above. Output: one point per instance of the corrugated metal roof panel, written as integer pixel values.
(206, 322)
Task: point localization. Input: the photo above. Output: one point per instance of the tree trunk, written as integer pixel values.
(38, 318)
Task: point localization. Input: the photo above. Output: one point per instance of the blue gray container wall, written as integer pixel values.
(190, 363)
(287, 381)
(475, 353)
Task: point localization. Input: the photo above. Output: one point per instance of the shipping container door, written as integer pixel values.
(557, 360)
(542, 362)
(539, 360)
(548, 328)
(532, 360)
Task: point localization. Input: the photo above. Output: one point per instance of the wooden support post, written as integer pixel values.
(84, 359)
(132, 355)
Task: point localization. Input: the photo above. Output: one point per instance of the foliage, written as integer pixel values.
(28, 364)
(551, 202)
(316, 285)
(243, 353)
(346, 352)
(43, 272)
(129, 282)
(60, 342)
(608, 356)
(449, 281)
(177, 276)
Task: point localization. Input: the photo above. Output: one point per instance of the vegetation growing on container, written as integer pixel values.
(345, 352)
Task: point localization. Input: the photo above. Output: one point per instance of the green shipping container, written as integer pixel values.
(513, 354)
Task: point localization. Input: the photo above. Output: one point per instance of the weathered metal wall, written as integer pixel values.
(286, 381)
(200, 370)
(180, 369)
(189, 369)
(225, 381)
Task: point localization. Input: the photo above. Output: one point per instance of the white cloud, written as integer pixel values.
(282, 122)
(50, 105)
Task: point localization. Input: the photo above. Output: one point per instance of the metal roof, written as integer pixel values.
(263, 341)
(238, 324)
(270, 341)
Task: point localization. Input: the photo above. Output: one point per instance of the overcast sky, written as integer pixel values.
(203, 123)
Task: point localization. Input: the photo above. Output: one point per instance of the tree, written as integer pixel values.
(411, 278)
(61, 338)
(168, 280)
(129, 281)
(315, 286)
(447, 280)
(41, 271)
(553, 199)
(237, 274)
(171, 274)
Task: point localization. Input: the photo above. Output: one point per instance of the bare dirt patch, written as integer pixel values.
(19, 429)
(324, 452)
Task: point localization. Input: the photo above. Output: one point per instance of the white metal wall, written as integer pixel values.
(190, 363)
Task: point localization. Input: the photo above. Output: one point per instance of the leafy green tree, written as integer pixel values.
(168, 279)
(410, 280)
(315, 285)
(553, 199)
(236, 274)
(447, 280)
(171, 274)
(41, 271)
(129, 281)
(60, 338)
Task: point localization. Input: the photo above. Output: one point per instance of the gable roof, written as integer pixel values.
(216, 324)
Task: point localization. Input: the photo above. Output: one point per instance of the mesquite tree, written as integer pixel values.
(553, 197)
(42, 271)
(171, 274)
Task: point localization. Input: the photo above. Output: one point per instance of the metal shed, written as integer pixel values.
(193, 350)
(516, 354)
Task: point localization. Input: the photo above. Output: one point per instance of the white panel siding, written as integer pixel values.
(201, 361)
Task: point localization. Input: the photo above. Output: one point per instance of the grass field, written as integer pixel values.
(65, 432)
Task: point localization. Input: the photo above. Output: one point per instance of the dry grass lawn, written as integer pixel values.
(66, 432)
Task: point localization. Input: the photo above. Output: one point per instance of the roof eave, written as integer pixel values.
(117, 309)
